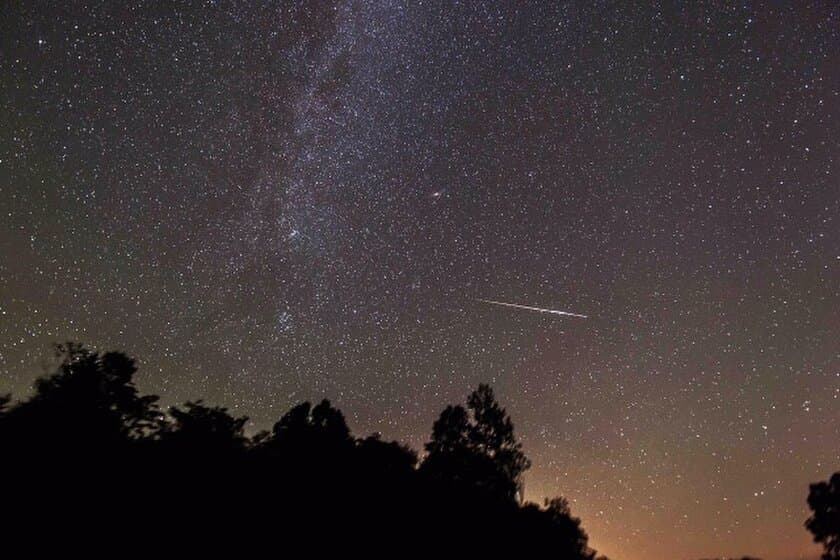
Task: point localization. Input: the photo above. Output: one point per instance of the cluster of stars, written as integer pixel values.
(266, 202)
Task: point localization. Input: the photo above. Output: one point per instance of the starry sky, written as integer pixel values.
(267, 202)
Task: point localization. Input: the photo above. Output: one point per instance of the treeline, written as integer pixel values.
(88, 461)
(87, 446)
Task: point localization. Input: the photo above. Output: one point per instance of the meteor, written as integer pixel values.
(529, 308)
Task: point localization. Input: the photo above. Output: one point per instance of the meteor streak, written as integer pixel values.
(529, 308)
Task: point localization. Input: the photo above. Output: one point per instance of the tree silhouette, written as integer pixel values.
(475, 446)
(554, 528)
(89, 404)
(385, 458)
(192, 475)
(307, 435)
(824, 524)
(199, 430)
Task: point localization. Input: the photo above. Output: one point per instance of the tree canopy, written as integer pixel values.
(191, 474)
(475, 446)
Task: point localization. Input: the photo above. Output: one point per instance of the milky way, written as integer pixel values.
(267, 202)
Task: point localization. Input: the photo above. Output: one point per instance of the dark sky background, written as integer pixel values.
(267, 202)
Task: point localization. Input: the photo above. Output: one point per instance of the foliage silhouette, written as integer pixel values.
(89, 404)
(198, 432)
(475, 447)
(87, 441)
(824, 524)
(191, 477)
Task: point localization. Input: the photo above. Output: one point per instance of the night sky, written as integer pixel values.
(269, 202)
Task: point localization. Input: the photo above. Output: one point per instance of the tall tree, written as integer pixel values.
(476, 446)
(492, 434)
